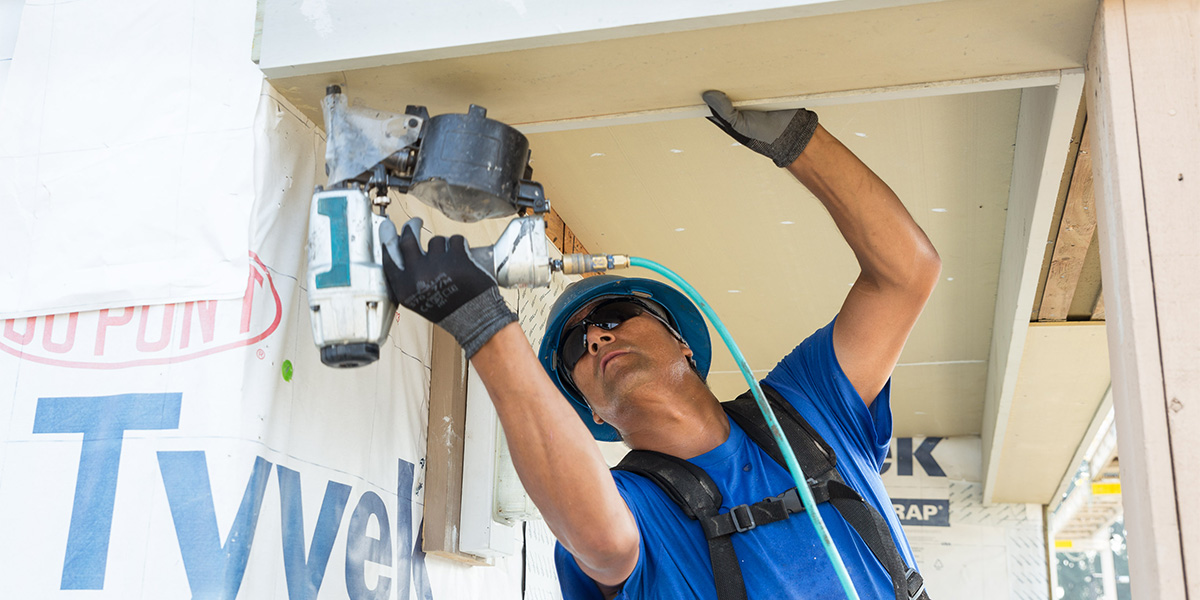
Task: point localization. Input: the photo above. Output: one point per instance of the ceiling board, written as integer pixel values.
(918, 44)
(1063, 378)
(766, 255)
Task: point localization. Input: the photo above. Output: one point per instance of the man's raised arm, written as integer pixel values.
(899, 265)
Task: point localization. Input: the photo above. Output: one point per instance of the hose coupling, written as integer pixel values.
(578, 264)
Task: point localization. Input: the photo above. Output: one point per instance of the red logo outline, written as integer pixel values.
(166, 359)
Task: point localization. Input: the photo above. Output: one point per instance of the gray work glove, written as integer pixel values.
(444, 285)
(780, 135)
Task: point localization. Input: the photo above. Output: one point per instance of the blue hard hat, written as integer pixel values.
(684, 317)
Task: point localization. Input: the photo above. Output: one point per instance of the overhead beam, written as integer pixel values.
(1044, 126)
(1142, 90)
(317, 38)
(875, 94)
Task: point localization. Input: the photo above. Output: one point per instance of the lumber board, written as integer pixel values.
(554, 229)
(1141, 142)
(1164, 57)
(1044, 128)
(1075, 234)
(444, 449)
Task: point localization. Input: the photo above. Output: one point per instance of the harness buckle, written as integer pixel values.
(791, 501)
(909, 578)
(745, 517)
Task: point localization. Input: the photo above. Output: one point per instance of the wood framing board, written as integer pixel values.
(1064, 189)
(1062, 381)
(905, 46)
(1043, 138)
(1142, 93)
(444, 448)
(1075, 233)
(352, 34)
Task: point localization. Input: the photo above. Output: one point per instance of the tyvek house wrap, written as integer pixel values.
(161, 439)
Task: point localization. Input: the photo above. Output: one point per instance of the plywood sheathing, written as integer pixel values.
(908, 45)
(766, 255)
(1063, 378)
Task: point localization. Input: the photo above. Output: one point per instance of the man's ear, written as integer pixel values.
(687, 350)
(597, 419)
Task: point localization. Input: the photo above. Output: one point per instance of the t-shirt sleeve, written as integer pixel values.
(811, 378)
(577, 585)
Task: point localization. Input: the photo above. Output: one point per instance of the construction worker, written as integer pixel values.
(631, 355)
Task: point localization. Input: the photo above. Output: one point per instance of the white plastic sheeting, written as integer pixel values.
(201, 449)
(964, 548)
(125, 149)
(184, 439)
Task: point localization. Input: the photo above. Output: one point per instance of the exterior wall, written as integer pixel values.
(176, 447)
(964, 549)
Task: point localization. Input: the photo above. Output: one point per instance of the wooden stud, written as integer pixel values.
(1098, 309)
(444, 448)
(1074, 237)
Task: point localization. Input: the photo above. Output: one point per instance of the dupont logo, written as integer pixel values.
(136, 336)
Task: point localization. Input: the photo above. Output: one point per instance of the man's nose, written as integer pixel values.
(597, 338)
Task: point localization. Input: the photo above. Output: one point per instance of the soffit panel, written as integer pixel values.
(1064, 375)
(768, 258)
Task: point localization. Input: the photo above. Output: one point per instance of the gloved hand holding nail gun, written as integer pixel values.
(630, 356)
(444, 284)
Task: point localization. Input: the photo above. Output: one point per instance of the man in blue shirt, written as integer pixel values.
(631, 355)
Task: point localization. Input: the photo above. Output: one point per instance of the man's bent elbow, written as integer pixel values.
(928, 268)
(607, 554)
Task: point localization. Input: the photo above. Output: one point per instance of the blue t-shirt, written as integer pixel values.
(782, 559)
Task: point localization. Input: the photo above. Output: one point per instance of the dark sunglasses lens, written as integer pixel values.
(611, 315)
(605, 316)
(572, 348)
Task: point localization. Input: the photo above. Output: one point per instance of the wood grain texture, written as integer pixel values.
(555, 229)
(1074, 238)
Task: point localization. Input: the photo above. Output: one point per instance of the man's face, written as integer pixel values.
(623, 368)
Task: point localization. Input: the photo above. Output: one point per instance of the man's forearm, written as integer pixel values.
(558, 462)
(890, 246)
(899, 265)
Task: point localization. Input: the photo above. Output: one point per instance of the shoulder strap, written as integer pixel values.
(697, 495)
(818, 460)
(689, 487)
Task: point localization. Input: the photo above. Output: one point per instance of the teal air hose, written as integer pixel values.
(810, 505)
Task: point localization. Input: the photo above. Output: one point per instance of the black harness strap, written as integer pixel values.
(697, 495)
(695, 492)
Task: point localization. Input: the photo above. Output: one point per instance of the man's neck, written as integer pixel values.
(688, 425)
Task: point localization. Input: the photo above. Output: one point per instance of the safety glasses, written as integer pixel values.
(607, 316)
